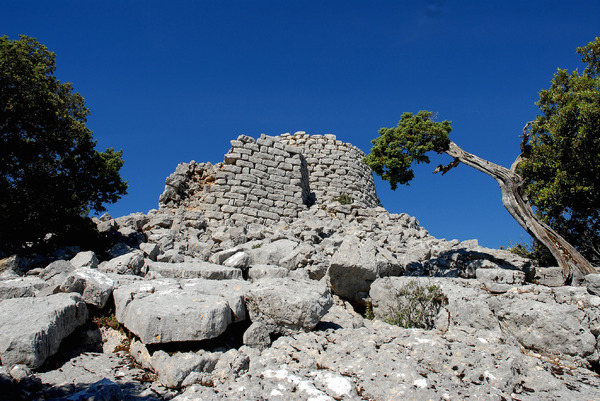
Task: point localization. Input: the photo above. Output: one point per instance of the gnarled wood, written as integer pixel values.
(573, 264)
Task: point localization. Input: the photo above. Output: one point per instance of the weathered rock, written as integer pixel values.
(500, 280)
(21, 287)
(172, 370)
(592, 283)
(239, 260)
(94, 287)
(196, 269)
(31, 329)
(271, 253)
(129, 263)
(287, 305)
(356, 265)
(151, 251)
(57, 271)
(9, 267)
(257, 272)
(549, 276)
(170, 256)
(162, 312)
(257, 336)
(546, 327)
(85, 259)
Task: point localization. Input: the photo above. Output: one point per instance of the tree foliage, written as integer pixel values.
(562, 169)
(558, 168)
(396, 149)
(51, 176)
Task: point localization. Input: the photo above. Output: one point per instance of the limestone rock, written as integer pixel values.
(356, 264)
(21, 287)
(94, 287)
(163, 312)
(195, 269)
(287, 305)
(85, 259)
(31, 329)
(129, 263)
(500, 280)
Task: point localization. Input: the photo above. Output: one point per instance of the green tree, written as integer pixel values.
(51, 176)
(562, 168)
(396, 149)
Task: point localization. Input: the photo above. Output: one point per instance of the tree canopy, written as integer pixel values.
(558, 170)
(562, 170)
(51, 175)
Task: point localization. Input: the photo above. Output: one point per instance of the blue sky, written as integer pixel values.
(174, 81)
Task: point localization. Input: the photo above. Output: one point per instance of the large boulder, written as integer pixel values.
(129, 263)
(358, 263)
(288, 305)
(31, 329)
(95, 287)
(271, 253)
(165, 311)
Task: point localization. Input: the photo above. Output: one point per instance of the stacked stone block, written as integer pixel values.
(272, 179)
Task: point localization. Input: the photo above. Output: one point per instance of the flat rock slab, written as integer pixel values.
(288, 305)
(21, 287)
(190, 270)
(163, 311)
(31, 329)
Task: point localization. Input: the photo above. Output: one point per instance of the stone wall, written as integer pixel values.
(272, 178)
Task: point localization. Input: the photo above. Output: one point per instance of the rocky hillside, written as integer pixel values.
(275, 276)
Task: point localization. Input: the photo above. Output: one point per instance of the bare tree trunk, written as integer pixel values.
(573, 264)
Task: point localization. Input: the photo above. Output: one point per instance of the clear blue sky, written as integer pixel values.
(174, 81)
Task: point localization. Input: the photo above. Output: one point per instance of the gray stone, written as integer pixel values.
(164, 311)
(85, 259)
(172, 370)
(257, 336)
(151, 251)
(170, 256)
(592, 283)
(9, 267)
(500, 280)
(287, 305)
(219, 257)
(257, 272)
(31, 329)
(356, 264)
(94, 287)
(170, 316)
(546, 327)
(130, 263)
(271, 253)
(549, 276)
(57, 271)
(240, 260)
(21, 287)
(195, 270)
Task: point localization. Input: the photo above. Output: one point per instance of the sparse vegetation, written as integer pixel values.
(107, 321)
(417, 306)
(256, 246)
(344, 199)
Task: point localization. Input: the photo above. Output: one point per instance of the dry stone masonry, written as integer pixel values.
(256, 280)
(272, 179)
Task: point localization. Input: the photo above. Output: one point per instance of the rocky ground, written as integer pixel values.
(181, 309)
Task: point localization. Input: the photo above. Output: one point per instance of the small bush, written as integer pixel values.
(344, 199)
(417, 306)
(107, 321)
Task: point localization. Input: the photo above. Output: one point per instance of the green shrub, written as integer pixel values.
(344, 199)
(417, 306)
